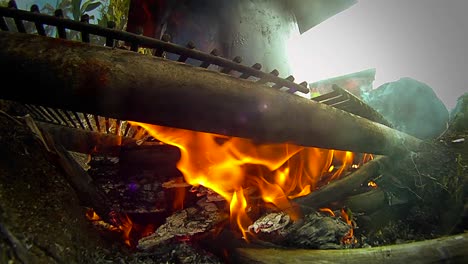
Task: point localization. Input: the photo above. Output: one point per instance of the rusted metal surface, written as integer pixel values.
(141, 41)
(91, 79)
(85, 141)
(344, 100)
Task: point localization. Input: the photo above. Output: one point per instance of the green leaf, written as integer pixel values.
(92, 6)
(76, 4)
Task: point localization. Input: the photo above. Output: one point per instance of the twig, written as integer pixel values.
(20, 250)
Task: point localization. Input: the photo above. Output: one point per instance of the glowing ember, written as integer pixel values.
(372, 184)
(230, 165)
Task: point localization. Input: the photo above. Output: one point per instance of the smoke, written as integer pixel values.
(422, 39)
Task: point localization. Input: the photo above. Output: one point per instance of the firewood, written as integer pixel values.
(315, 230)
(97, 80)
(342, 188)
(185, 223)
(450, 249)
(19, 248)
(77, 177)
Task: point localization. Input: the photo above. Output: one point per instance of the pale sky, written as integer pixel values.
(426, 40)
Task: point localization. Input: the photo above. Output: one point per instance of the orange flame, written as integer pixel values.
(126, 227)
(227, 165)
(349, 237)
(125, 224)
(327, 210)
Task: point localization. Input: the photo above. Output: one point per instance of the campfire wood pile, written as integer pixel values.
(411, 190)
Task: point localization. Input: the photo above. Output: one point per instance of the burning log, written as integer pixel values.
(315, 230)
(445, 249)
(342, 188)
(85, 78)
(183, 225)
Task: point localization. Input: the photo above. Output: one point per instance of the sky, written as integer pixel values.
(426, 40)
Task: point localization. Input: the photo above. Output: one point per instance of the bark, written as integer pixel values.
(80, 181)
(129, 86)
(187, 223)
(341, 189)
(451, 249)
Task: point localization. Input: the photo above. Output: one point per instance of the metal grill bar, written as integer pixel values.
(142, 41)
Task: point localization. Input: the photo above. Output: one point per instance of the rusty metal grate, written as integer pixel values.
(346, 101)
(159, 47)
(339, 98)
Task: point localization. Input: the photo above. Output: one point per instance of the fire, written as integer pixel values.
(349, 237)
(228, 166)
(121, 223)
(327, 210)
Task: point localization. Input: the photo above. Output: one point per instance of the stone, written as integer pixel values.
(411, 107)
(459, 115)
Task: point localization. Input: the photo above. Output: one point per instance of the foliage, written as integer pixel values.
(72, 9)
(117, 11)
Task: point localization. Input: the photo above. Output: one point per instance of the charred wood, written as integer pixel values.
(41, 220)
(150, 156)
(342, 188)
(75, 174)
(315, 230)
(184, 225)
(83, 185)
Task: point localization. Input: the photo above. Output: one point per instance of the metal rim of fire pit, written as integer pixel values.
(339, 98)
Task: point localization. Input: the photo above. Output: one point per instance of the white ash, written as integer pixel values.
(184, 223)
(270, 222)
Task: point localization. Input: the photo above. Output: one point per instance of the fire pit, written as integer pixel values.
(199, 164)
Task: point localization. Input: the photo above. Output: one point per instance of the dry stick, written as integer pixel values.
(340, 189)
(80, 181)
(453, 249)
(367, 202)
(91, 79)
(23, 254)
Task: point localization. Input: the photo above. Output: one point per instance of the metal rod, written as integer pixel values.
(90, 127)
(69, 118)
(151, 43)
(91, 79)
(118, 124)
(62, 33)
(39, 27)
(96, 120)
(85, 35)
(110, 39)
(50, 113)
(106, 122)
(85, 141)
(35, 113)
(58, 114)
(127, 128)
(78, 120)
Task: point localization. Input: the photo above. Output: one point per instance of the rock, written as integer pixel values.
(459, 115)
(411, 106)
